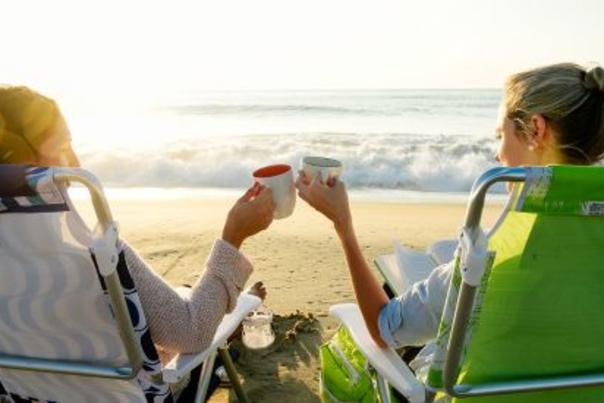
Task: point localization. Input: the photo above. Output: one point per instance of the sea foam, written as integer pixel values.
(407, 140)
(380, 161)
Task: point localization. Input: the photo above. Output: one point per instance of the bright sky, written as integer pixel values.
(69, 47)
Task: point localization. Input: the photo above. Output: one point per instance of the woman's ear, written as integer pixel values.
(540, 135)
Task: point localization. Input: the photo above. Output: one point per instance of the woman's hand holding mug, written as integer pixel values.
(252, 213)
(329, 198)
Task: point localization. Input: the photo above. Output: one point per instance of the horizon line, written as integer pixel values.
(345, 89)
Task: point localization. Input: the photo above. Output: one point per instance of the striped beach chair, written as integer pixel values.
(72, 328)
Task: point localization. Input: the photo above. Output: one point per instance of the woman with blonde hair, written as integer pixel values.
(33, 132)
(549, 115)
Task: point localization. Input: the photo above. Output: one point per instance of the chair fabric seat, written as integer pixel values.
(538, 307)
(54, 305)
(542, 307)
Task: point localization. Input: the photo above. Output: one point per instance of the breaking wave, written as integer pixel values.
(443, 163)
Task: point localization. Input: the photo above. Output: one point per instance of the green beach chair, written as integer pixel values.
(522, 321)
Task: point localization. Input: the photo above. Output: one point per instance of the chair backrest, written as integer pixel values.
(532, 330)
(61, 339)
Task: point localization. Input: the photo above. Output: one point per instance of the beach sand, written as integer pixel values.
(300, 261)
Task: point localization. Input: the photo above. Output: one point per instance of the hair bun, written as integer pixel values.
(594, 79)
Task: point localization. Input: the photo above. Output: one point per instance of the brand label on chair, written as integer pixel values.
(594, 208)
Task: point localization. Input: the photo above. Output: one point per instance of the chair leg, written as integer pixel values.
(383, 389)
(204, 378)
(232, 373)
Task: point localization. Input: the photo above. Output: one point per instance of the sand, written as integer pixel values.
(299, 260)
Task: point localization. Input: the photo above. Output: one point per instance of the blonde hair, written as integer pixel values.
(570, 98)
(25, 118)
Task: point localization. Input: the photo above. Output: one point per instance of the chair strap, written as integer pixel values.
(13, 181)
(26, 189)
(474, 256)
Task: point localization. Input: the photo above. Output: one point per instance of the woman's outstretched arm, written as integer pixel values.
(187, 323)
(370, 294)
(332, 200)
(183, 324)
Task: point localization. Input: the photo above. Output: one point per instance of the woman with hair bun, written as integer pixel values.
(549, 115)
(566, 101)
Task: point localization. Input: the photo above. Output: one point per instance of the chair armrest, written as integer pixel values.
(182, 364)
(385, 360)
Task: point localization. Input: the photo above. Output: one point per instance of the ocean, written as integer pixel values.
(393, 143)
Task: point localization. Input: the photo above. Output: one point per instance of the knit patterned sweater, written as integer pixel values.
(186, 323)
